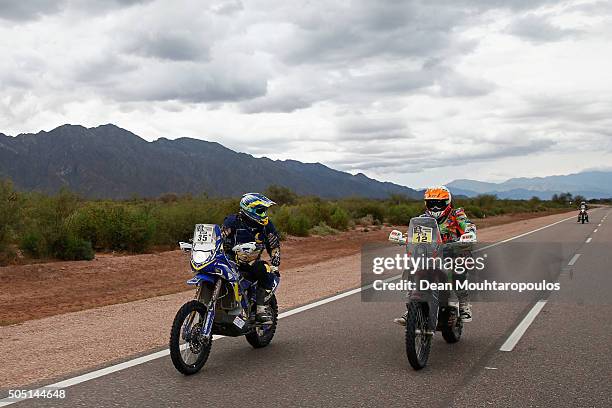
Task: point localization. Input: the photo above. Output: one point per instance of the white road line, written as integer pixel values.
(516, 335)
(525, 234)
(589, 239)
(520, 330)
(573, 260)
(595, 230)
(163, 353)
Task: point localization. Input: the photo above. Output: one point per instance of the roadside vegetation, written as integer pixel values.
(66, 226)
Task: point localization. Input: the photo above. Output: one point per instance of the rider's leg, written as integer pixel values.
(264, 277)
(465, 308)
(402, 319)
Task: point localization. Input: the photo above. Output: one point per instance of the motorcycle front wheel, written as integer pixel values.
(262, 335)
(418, 335)
(189, 349)
(452, 329)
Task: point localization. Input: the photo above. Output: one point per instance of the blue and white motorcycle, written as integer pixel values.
(224, 302)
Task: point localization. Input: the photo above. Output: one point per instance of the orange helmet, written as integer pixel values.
(438, 202)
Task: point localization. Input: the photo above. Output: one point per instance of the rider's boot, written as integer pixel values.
(401, 320)
(262, 316)
(465, 312)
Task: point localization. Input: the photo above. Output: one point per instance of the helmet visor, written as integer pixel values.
(435, 205)
(260, 210)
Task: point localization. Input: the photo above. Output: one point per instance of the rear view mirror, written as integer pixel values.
(397, 237)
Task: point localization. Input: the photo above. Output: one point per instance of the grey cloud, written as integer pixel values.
(168, 44)
(227, 7)
(22, 10)
(418, 157)
(453, 84)
(363, 29)
(537, 28)
(374, 131)
(280, 102)
(189, 83)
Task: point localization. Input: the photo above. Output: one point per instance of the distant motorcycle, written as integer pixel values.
(429, 310)
(583, 216)
(224, 302)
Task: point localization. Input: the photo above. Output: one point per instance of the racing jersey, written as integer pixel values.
(236, 230)
(455, 225)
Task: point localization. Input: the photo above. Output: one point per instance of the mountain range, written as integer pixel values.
(110, 162)
(590, 184)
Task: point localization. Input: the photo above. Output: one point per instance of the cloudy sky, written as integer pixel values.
(415, 92)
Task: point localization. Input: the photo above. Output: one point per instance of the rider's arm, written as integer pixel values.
(228, 230)
(463, 222)
(273, 244)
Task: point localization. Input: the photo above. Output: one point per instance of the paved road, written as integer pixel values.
(348, 353)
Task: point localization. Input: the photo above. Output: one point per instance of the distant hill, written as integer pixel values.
(590, 184)
(111, 162)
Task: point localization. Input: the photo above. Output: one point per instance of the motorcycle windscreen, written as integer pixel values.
(205, 237)
(423, 237)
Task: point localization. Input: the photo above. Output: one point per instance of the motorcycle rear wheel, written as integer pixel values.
(418, 340)
(262, 336)
(195, 347)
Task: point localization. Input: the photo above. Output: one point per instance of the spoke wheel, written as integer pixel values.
(418, 338)
(262, 335)
(189, 349)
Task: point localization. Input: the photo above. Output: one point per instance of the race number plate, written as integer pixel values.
(422, 234)
(239, 322)
(203, 234)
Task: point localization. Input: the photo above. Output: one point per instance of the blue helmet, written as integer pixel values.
(255, 207)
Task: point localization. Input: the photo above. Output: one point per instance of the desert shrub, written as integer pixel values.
(281, 195)
(114, 226)
(474, 211)
(71, 248)
(322, 229)
(401, 214)
(175, 221)
(339, 218)
(32, 244)
(290, 220)
(10, 207)
(46, 233)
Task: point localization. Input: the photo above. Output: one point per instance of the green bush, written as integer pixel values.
(113, 226)
(339, 218)
(71, 248)
(32, 244)
(322, 229)
(473, 211)
(402, 213)
(10, 205)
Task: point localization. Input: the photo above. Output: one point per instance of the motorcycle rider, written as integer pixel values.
(585, 207)
(453, 223)
(251, 224)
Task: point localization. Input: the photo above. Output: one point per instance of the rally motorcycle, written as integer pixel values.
(224, 302)
(582, 216)
(429, 310)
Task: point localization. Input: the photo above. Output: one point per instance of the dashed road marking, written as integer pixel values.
(588, 240)
(573, 260)
(520, 330)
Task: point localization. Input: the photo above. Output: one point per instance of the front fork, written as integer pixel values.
(210, 309)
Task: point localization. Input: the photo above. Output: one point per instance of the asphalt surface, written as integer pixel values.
(349, 353)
